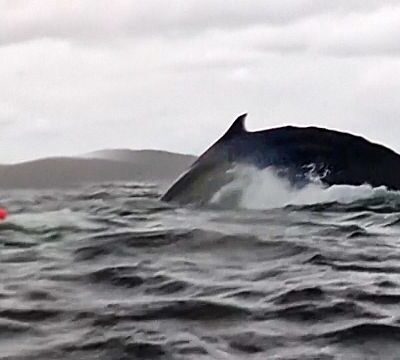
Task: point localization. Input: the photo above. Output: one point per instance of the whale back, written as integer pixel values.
(334, 157)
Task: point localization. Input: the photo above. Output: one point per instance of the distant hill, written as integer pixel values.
(143, 157)
(100, 166)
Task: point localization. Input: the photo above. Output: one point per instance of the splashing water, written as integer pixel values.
(257, 189)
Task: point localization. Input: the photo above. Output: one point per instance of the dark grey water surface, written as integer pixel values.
(110, 272)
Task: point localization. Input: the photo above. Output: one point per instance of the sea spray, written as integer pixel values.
(264, 189)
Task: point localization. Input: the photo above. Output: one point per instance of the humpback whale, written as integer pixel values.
(298, 154)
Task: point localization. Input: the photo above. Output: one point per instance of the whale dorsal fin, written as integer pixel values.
(237, 127)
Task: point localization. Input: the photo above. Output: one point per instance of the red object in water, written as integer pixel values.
(3, 214)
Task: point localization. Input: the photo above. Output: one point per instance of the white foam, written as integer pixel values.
(263, 189)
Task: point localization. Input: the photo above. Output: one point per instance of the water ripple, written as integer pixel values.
(110, 272)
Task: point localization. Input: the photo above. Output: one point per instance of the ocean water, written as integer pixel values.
(109, 272)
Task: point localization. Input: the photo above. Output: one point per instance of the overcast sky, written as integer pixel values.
(82, 75)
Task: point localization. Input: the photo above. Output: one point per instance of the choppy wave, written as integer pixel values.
(110, 272)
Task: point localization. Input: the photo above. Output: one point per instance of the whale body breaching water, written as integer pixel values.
(299, 156)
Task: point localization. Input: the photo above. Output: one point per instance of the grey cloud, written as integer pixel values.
(180, 93)
(354, 34)
(102, 19)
